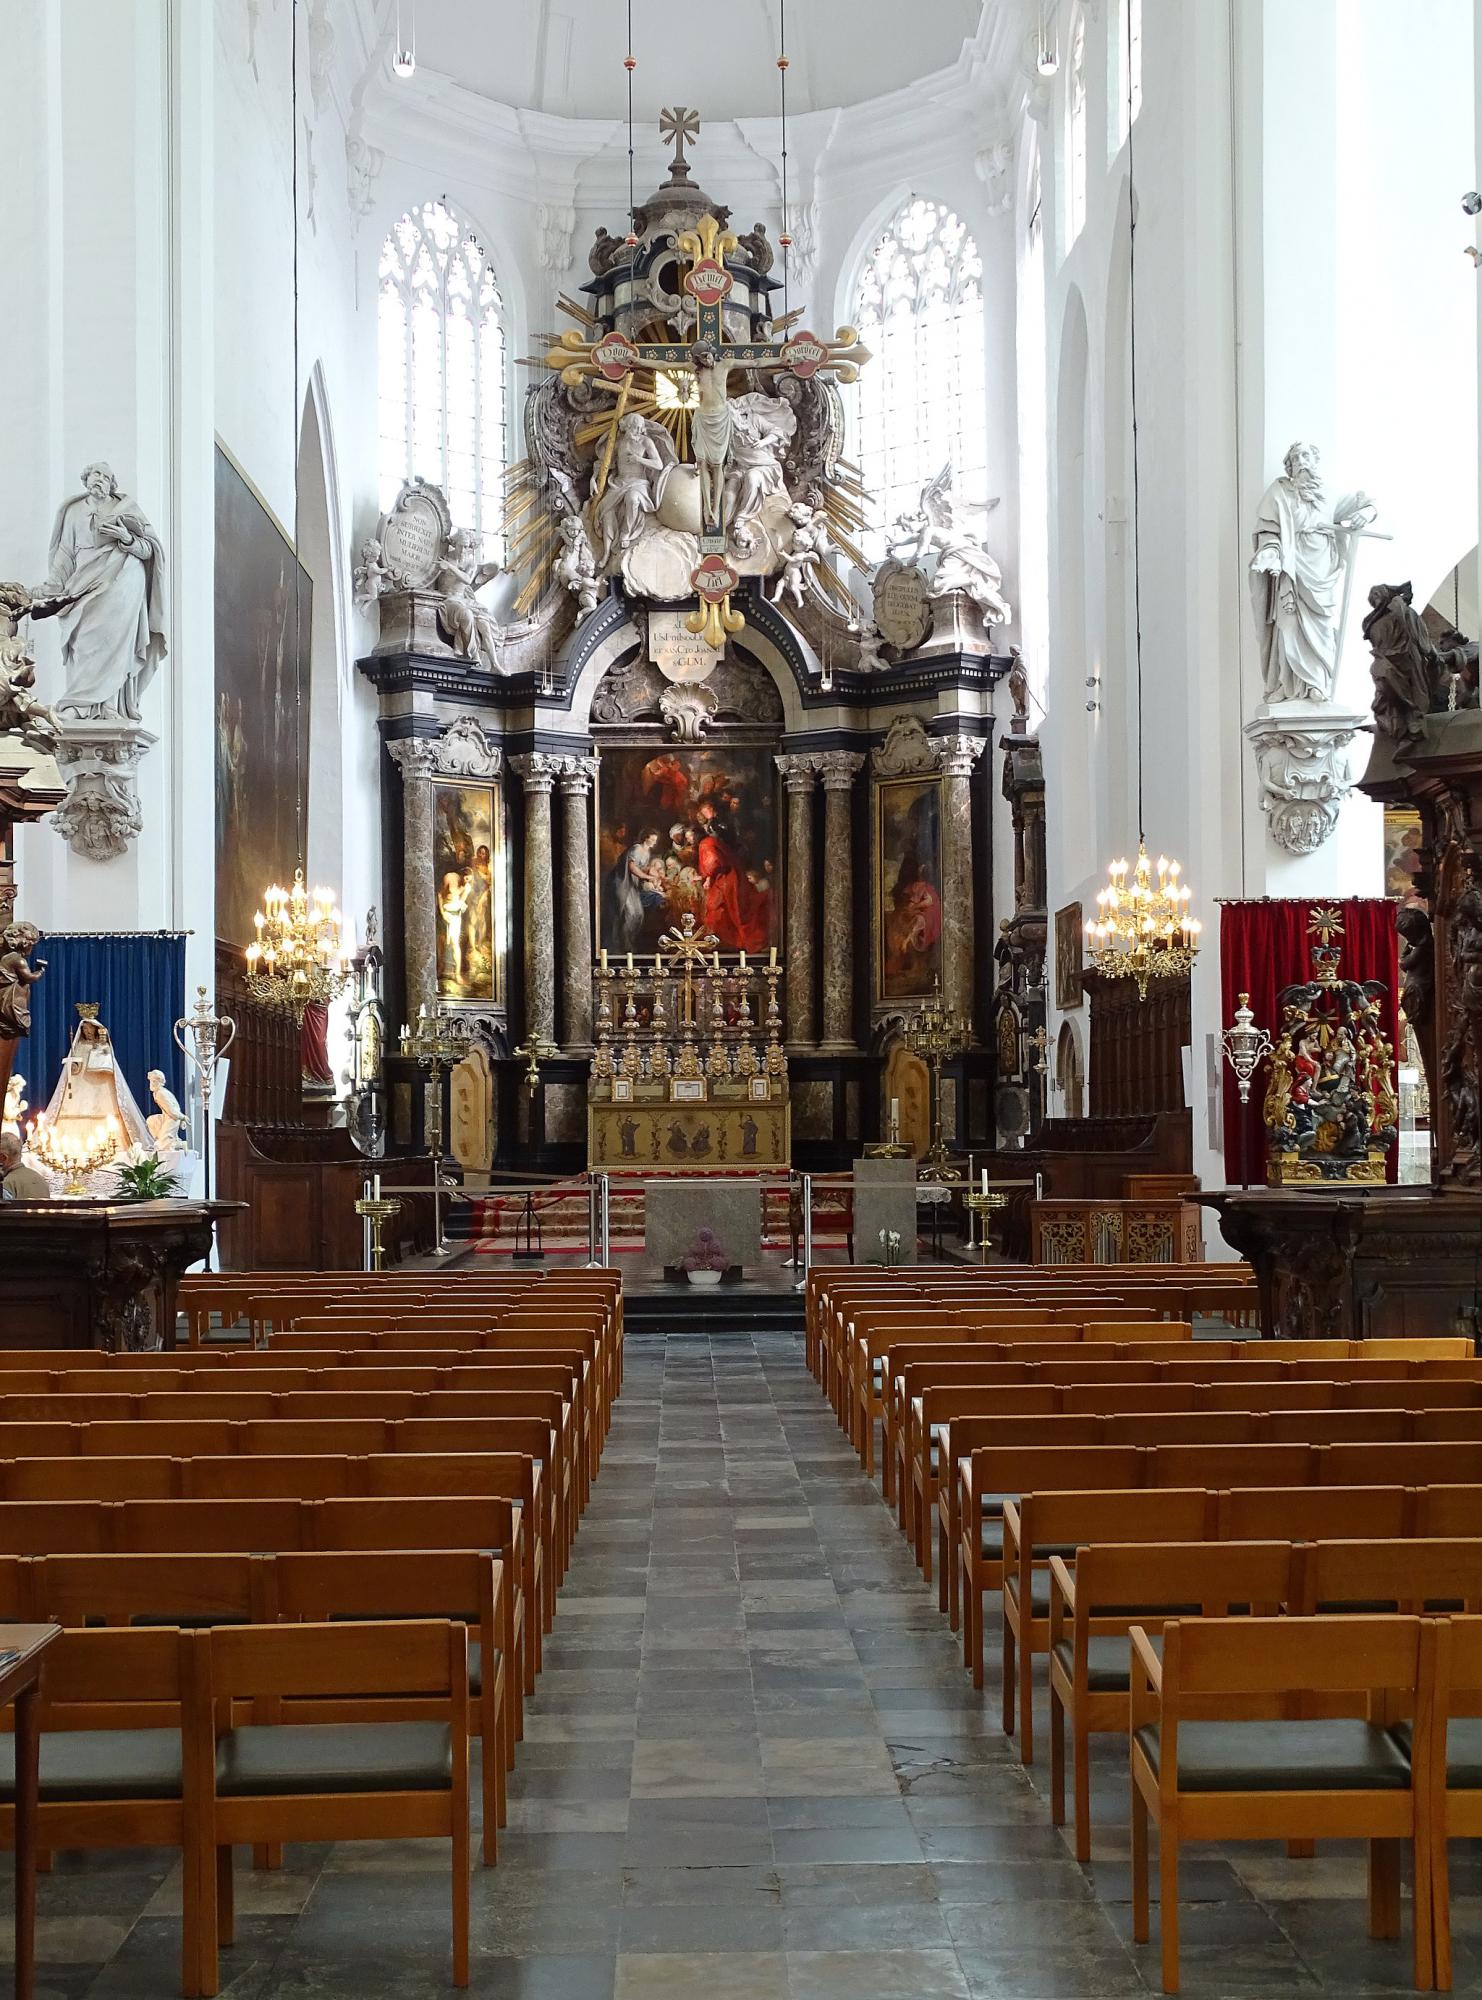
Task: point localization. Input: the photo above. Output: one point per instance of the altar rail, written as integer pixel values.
(1116, 1232)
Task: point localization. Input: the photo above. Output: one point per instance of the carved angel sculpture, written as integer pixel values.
(642, 462)
(371, 577)
(963, 563)
(469, 627)
(576, 566)
(167, 1126)
(800, 562)
(17, 977)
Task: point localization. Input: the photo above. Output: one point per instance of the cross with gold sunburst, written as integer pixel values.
(660, 377)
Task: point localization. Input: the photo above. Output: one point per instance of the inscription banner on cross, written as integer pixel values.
(709, 357)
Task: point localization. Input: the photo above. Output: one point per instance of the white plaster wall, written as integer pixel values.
(1299, 273)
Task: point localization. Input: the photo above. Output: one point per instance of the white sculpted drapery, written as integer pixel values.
(107, 568)
(1296, 574)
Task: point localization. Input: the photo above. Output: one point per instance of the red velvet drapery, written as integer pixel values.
(313, 1044)
(1266, 945)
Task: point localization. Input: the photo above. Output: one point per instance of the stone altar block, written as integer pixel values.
(676, 1211)
(884, 1198)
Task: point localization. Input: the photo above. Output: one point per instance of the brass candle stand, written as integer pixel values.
(981, 1204)
(936, 1032)
(428, 1042)
(378, 1210)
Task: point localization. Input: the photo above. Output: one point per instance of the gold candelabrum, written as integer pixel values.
(428, 1043)
(936, 1032)
(686, 1016)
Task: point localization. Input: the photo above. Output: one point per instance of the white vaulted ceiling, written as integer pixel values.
(565, 57)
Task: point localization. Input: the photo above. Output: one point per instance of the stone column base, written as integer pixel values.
(1303, 752)
(99, 759)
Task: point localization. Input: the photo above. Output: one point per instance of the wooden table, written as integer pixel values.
(20, 1681)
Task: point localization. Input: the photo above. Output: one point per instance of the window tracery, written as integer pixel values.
(918, 305)
(442, 363)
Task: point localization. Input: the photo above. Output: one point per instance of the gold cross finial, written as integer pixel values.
(679, 124)
(1324, 923)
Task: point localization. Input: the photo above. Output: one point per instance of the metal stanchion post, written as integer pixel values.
(591, 1222)
(807, 1231)
(606, 1221)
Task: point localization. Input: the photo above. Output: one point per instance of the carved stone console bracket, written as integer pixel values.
(101, 816)
(1303, 753)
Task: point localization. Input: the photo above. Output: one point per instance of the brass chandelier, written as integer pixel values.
(299, 955)
(1143, 930)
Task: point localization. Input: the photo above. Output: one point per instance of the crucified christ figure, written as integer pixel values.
(710, 433)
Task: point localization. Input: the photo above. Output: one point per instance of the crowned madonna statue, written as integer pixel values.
(92, 1119)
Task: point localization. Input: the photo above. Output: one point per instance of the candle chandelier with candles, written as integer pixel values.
(300, 956)
(1143, 930)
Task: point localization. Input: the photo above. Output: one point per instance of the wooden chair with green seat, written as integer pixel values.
(275, 1782)
(463, 1584)
(1095, 1602)
(1207, 1765)
(141, 1782)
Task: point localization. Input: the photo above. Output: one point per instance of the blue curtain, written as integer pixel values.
(139, 985)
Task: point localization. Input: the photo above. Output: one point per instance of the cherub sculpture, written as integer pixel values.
(469, 627)
(963, 563)
(167, 1126)
(17, 977)
(576, 566)
(870, 640)
(800, 563)
(20, 713)
(372, 579)
(15, 1105)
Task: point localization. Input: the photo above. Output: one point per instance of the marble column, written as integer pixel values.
(415, 758)
(838, 769)
(539, 772)
(799, 776)
(956, 756)
(577, 774)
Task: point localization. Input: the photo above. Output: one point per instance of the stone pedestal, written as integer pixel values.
(577, 774)
(99, 761)
(675, 1212)
(1304, 761)
(956, 756)
(539, 772)
(884, 1199)
(799, 776)
(838, 769)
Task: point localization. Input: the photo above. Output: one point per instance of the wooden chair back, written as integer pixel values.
(1314, 1513)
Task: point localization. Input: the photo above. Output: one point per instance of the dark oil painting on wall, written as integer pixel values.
(908, 897)
(682, 830)
(467, 870)
(264, 616)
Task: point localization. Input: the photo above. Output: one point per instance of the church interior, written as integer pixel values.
(741, 1000)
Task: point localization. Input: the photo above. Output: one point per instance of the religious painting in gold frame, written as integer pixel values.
(683, 832)
(908, 887)
(1070, 961)
(468, 891)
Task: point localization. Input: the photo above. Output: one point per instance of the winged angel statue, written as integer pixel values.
(963, 562)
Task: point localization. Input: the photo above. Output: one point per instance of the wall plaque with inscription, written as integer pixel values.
(680, 655)
(902, 605)
(414, 534)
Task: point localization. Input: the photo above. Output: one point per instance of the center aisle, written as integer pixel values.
(754, 1767)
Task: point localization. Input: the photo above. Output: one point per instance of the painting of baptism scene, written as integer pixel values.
(741, 1000)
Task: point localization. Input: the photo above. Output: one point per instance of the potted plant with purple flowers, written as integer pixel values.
(704, 1262)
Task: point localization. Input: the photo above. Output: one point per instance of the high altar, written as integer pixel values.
(687, 809)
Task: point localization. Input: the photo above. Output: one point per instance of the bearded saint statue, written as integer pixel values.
(1296, 574)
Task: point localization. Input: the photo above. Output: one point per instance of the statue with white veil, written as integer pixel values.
(643, 458)
(92, 1103)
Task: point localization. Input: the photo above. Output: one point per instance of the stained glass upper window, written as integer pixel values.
(443, 381)
(921, 399)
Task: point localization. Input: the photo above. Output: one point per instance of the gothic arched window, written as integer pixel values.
(921, 398)
(443, 388)
(1075, 132)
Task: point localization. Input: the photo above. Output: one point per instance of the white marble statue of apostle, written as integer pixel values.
(1296, 573)
(167, 1126)
(108, 571)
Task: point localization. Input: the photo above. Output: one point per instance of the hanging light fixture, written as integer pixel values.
(1046, 58)
(1143, 930)
(404, 55)
(300, 956)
